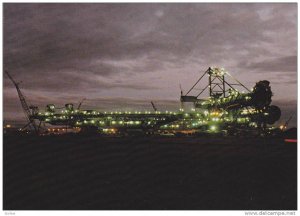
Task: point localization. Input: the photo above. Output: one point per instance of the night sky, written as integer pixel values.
(122, 56)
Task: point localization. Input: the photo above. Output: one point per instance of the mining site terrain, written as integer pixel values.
(90, 172)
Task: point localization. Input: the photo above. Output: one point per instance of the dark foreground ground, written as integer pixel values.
(96, 173)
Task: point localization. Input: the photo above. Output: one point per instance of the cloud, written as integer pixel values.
(281, 64)
(144, 50)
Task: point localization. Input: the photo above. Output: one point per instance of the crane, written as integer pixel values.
(80, 103)
(153, 106)
(24, 104)
(282, 127)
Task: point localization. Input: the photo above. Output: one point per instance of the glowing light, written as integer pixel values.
(290, 140)
(213, 128)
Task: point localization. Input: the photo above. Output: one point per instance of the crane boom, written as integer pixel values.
(154, 107)
(24, 104)
(81, 103)
(288, 121)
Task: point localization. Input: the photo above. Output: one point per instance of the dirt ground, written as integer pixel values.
(148, 173)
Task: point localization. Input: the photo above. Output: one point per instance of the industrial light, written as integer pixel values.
(282, 127)
(213, 128)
